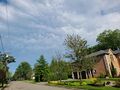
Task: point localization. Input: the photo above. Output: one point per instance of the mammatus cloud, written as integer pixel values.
(40, 26)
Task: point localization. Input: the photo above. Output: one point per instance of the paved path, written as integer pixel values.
(17, 85)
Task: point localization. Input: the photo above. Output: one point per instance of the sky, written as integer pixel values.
(38, 27)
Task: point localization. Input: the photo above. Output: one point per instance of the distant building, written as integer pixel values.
(105, 60)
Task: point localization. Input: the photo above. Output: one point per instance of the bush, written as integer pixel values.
(61, 83)
(98, 83)
(55, 76)
(65, 83)
(90, 81)
(37, 79)
(93, 80)
(52, 77)
(54, 82)
(102, 75)
(75, 84)
(83, 83)
(118, 83)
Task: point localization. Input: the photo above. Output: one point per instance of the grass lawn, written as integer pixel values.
(98, 88)
(87, 87)
(110, 79)
(86, 84)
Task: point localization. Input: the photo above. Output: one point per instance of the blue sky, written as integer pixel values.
(40, 26)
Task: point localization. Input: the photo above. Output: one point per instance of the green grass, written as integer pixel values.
(87, 87)
(110, 79)
(75, 84)
(98, 88)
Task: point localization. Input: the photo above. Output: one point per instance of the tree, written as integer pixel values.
(76, 46)
(88, 65)
(53, 68)
(23, 71)
(59, 69)
(77, 50)
(1, 66)
(41, 70)
(5, 59)
(109, 39)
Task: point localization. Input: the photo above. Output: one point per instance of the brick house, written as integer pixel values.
(105, 60)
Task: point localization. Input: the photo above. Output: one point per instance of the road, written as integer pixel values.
(17, 85)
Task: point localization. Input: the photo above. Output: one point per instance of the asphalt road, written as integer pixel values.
(17, 85)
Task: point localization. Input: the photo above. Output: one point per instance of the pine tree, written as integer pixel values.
(41, 70)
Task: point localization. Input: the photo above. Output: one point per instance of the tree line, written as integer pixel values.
(77, 49)
(42, 71)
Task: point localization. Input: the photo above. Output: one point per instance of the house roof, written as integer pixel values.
(116, 52)
(101, 52)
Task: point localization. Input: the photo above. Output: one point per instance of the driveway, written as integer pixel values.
(18, 85)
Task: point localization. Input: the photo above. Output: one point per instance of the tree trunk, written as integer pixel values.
(2, 83)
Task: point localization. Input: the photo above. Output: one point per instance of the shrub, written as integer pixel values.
(65, 83)
(90, 81)
(102, 75)
(83, 83)
(98, 83)
(61, 83)
(53, 82)
(54, 76)
(75, 84)
(70, 83)
(118, 83)
(93, 80)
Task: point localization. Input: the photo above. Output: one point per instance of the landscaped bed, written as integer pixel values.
(90, 84)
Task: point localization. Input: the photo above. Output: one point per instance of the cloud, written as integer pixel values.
(40, 26)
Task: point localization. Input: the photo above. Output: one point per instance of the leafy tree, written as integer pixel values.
(1, 66)
(77, 50)
(76, 46)
(53, 68)
(41, 70)
(59, 69)
(23, 71)
(9, 75)
(108, 39)
(5, 59)
(88, 65)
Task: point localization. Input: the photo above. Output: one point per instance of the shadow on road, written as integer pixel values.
(2, 88)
